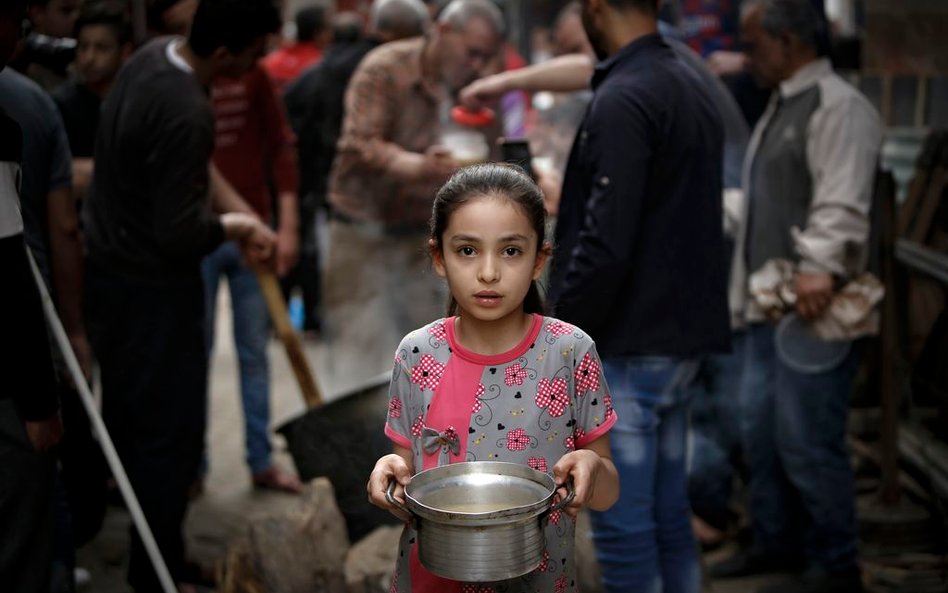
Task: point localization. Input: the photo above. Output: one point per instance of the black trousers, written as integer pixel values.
(148, 338)
(26, 507)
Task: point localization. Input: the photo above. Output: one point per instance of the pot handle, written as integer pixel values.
(570, 495)
(390, 497)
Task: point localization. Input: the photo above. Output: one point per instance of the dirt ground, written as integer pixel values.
(220, 514)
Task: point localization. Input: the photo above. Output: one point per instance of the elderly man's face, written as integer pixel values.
(466, 52)
(767, 55)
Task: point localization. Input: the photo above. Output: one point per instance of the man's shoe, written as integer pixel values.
(816, 580)
(745, 563)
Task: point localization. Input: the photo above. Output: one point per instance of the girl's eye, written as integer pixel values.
(512, 251)
(468, 251)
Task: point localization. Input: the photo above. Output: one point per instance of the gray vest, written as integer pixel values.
(780, 184)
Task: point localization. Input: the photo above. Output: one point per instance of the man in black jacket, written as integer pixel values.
(638, 265)
(29, 411)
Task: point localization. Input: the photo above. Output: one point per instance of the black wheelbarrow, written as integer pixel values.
(340, 440)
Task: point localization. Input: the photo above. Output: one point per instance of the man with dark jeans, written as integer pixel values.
(638, 265)
(808, 183)
(148, 227)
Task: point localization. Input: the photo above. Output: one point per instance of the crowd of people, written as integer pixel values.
(684, 153)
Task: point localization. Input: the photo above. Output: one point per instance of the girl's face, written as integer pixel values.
(489, 256)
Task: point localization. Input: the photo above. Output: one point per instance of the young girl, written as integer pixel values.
(497, 380)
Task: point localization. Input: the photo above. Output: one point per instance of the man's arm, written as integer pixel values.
(281, 159)
(62, 223)
(24, 348)
(67, 271)
(224, 196)
(82, 169)
(599, 263)
(563, 74)
(842, 151)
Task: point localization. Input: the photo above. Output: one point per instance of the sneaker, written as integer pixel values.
(817, 580)
(746, 563)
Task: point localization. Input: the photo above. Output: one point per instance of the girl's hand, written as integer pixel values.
(388, 468)
(583, 467)
(595, 479)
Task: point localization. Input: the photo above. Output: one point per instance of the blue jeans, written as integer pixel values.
(715, 440)
(251, 332)
(644, 543)
(793, 428)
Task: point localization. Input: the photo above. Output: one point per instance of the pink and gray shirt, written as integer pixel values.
(532, 404)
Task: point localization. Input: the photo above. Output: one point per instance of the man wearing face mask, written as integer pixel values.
(388, 167)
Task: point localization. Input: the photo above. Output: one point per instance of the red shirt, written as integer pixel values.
(254, 144)
(288, 62)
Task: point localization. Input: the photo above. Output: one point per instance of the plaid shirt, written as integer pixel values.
(392, 105)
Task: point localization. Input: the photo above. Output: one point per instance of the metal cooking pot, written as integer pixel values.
(480, 521)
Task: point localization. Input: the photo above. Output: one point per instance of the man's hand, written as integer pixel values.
(259, 248)
(814, 293)
(44, 434)
(482, 91)
(724, 63)
(287, 250)
(257, 242)
(80, 347)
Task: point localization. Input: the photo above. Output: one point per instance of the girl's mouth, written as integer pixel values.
(487, 298)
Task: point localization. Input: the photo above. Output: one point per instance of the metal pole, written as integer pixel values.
(105, 441)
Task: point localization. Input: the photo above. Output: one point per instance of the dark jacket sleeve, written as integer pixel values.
(619, 150)
(25, 360)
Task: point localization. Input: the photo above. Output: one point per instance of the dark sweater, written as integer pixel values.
(637, 262)
(147, 214)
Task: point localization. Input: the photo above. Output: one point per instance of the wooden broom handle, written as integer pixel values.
(291, 341)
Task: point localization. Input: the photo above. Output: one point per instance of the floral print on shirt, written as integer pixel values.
(532, 406)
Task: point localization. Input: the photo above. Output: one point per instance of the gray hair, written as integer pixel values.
(459, 13)
(794, 17)
(402, 18)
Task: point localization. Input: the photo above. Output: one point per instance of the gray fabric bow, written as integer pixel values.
(432, 440)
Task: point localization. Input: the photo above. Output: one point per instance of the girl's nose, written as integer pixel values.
(489, 271)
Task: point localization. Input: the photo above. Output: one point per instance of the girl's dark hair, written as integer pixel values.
(494, 180)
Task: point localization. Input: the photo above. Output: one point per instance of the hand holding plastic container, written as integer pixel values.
(464, 137)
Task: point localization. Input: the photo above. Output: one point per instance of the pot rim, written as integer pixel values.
(507, 516)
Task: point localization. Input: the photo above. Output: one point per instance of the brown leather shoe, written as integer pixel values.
(274, 478)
